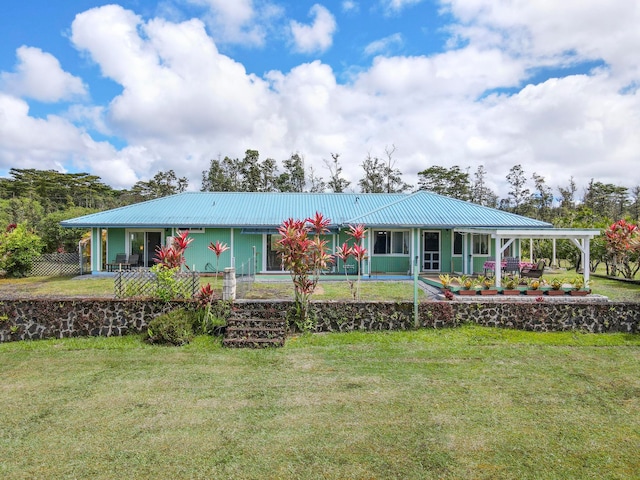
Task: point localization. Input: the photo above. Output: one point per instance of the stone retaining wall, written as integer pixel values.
(47, 318)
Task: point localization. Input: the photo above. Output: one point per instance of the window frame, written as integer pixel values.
(406, 237)
(453, 244)
(477, 242)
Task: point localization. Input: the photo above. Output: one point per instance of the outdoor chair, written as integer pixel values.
(512, 265)
(133, 261)
(533, 272)
(121, 259)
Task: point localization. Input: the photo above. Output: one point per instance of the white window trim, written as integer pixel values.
(190, 230)
(473, 245)
(390, 230)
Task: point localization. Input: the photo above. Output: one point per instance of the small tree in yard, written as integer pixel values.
(169, 261)
(622, 248)
(305, 255)
(18, 248)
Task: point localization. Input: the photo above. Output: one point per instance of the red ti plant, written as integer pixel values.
(173, 255)
(622, 247)
(218, 248)
(358, 233)
(357, 251)
(305, 258)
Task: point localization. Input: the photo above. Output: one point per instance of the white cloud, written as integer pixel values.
(385, 45)
(39, 76)
(316, 37)
(183, 103)
(350, 6)
(240, 21)
(48, 143)
(555, 33)
(394, 6)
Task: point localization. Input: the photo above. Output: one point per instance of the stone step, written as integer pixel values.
(253, 342)
(255, 332)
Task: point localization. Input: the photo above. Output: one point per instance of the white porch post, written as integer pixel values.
(498, 261)
(553, 261)
(531, 250)
(233, 249)
(587, 260)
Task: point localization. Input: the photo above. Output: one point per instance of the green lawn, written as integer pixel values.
(89, 286)
(465, 403)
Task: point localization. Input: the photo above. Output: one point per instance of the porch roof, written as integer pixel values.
(535, 233)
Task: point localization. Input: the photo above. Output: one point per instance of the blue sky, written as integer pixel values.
(127, 89)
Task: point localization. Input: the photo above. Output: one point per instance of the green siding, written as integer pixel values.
(478, 263)
(457, 264)
(390, 264)
(243, 250)
(199, 255)
(446, 247)
(115, 243)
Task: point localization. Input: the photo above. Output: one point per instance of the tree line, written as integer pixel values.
(41, 199)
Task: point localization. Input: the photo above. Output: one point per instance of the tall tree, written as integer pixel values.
(57, 191)
(542, 199)
(269, 170)
(316, 184)
(374, 180)
(567, 195)
(607, 200)
(393, 176)
(222, 176)
(294, 177)
(634, 208)
(162, 184)
(251, 171)
(336, 183)
(518, 193)
(480, 193)
(451, 182)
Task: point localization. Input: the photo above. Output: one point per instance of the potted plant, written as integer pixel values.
(581, 288)
(466, 285)
(511, 286)
(556, 287)
(534, 287)
(445, 280)
(485, 284)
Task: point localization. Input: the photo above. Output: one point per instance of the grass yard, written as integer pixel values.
(89, 286)
(466, 403)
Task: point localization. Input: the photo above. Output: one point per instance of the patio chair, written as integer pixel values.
(512, 265)
(533, 272)
(121, 259)
(133, 261)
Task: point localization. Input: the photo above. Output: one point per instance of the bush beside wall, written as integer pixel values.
(50, 318)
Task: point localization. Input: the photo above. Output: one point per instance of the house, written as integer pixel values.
(433, 232)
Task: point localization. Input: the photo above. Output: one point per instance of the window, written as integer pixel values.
(190, 229)
(390, 243)
(457, 243)
(481, 244)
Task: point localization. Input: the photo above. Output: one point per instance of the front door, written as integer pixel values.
(431, 251)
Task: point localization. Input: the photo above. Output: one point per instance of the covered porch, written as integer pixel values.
(504, 237)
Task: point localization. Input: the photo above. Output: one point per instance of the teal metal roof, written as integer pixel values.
(261, 210)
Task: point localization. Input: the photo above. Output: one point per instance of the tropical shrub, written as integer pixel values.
(172, 328)
(19, 247)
